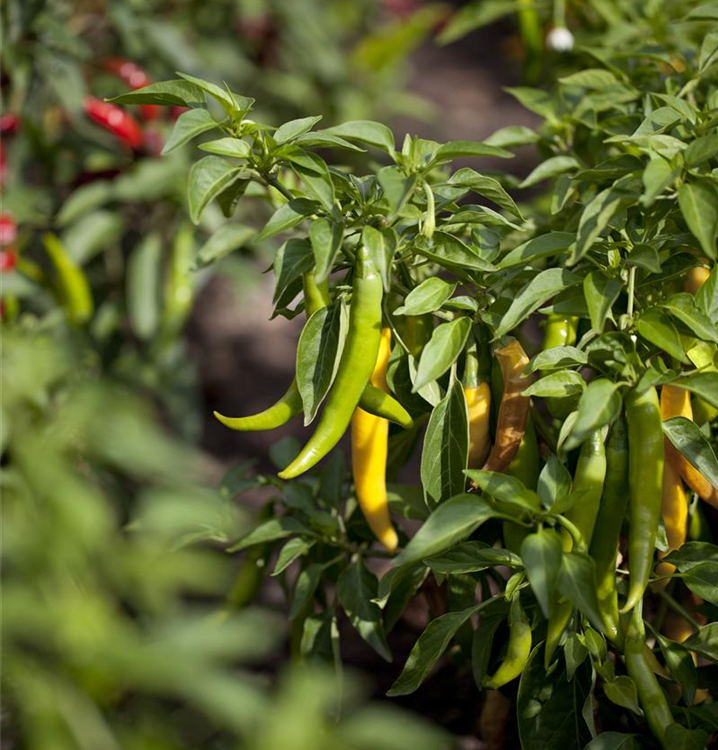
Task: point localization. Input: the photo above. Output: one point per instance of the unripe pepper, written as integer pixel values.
(370, 436)
(73, 288)
(514, 409)
(651, 697)
(355, 366)
(697, 276)
(607, 531)
(115, 120)
(518, 650)
(589, 481)
(560, 330)
(373, 400)
(676, 402)
(526, 468)
(645, 482)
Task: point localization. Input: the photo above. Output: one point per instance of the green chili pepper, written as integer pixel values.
(560, 330)
(518, 650)
(373, 400)
(525, 467)
(179, 289)
(588, 485)
(645, 483)
(651, 697)
(604, 545)
(74, 289)
(355, 367)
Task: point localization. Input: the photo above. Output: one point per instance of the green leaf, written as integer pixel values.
(552, 167)
(446, 343)
(678, 737)
(488, 187)
(397, 187)
(595, 218)
(178, 92)
(481, 644)
(231, 103)
(381, 245)
(93, 233)
(623, 692)
(356, 588)
(452, 253)
(541, 554)
(461, 149)
(645, 256)
(687, 438)
(549, 707)
(709, 51)
(364, 131)
(613, 741)
(295, 548)
(707, 296)
(189, 125)
(291, 130)
(703, 580)
(505, 488)
(429, 296)
(428, 649)
(557, 385)
(326, 238)
(684, 307)
(704, 642)
(703, 384)
(657, 176)
(474, 15)
(701, 149)
(304, 588)
(698, 201)
(557, 358)
(601, 292)
(538, 290)
(279, 527)
(446, 446)
(143, 287)
(658, 328)
(317, 181)
(577, 582)
(680, 665)
(542, 246)
(471, 557)
(554, 482)
(292, 259)
(318, 356)
(323, 140)
(513, 135)
(451, 521)
(235, 148)
(226, 239)
(599, 405)
(287, 216)
(207, 178)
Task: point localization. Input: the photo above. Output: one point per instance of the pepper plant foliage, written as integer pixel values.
(629, 211)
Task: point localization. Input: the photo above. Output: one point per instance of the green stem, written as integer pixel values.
(679, 609)
(577, 536)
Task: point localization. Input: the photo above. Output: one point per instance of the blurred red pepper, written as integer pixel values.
(114, 119)
(8, 258)
(136, 78)
(176, 111)
(8, 229)
(9, 124)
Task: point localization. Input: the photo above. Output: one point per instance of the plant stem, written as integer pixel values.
(679, 609)
(631, 292)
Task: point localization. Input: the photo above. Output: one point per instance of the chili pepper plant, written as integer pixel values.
(550, 360)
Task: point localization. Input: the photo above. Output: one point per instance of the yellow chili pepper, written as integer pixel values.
(478, 402)
(676, 402)
(370, 436)
(674, 510)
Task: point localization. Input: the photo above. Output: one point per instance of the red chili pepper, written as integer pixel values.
(9, 124)
(8, 229)
(176, 111)
(8, 258)
(114, 119)
(136, 78)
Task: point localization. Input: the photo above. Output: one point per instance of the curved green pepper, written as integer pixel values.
(604, 545)
(355, 367)
(518, 650)
(645, 483)
(74, 289)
